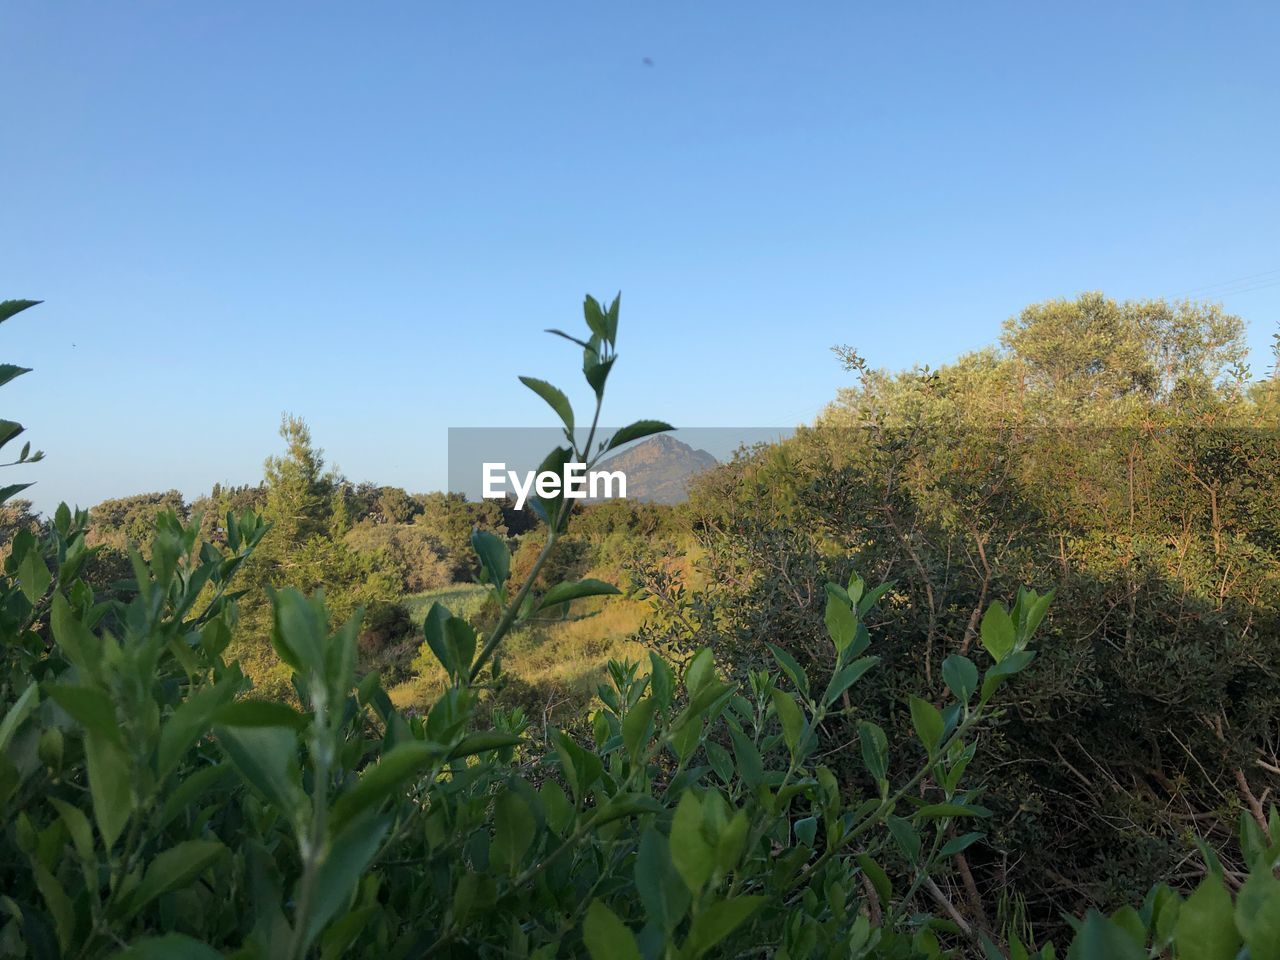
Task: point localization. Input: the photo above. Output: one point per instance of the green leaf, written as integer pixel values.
(1034, 608)
(494, 556)
(700, 674)
(461, 638)
(267, 759)
(259, 713)
(550, 509)
(174, 868)
(34, 576)
(384, 778)
(790, 716)
(1257, 914)
(594, 316)
(11, 490)
(661, 889)
(607, 937)
(10, 307)
(561, 333)
(1206, 926)
(188, 722)
(565, 592)
(842, 623)
(611, 320)
(960, 676)
(791, 668)
(806, 829)
(997, 632)
(8, 430)
(1100, 937)
(750, 763)
(904, 834)
(846, 677)
(692, 855)
(474, 743)
(110, 778)
(27, 701)
(960, 844)
(1010, 665)
(927, 720)
(513, 831)
(555, 398)
(77, 641)
(636, 431)
(625, 805)
(344, 864)
(299, 630)
(433, 629)
(9, 371)
(597, 374)
(872, 597)
(879, 879)
(712, 925)
(637, 725)
(89, 707)
(661, 680)
(875, 749)
(171, 946)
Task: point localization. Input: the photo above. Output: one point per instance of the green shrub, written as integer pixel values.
(1138, 482)
(384, 624)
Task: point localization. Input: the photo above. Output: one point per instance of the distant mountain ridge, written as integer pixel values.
(659, 469)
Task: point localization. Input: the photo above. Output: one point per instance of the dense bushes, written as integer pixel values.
(1112, 451)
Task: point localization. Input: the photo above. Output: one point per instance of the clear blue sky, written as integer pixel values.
(365, 213)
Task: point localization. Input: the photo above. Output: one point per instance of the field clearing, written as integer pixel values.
(562, 660)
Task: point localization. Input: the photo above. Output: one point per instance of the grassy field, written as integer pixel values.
(563, 660)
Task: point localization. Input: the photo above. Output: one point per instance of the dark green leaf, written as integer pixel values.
(719, 920)
(927, 720)
(607, 937)
(485, 740)
(960, 844)
(266, 757)
(173, 868)
(997, 632)
(259, 713)
(348, 856)
(960, 676)
(875, 749)
(846, 677)
(513, 831)
(171, 946)
(10, 307)
(791, 669)
(842, 623)
(790, 716)
(110, 785)
(692, 855)
(9, 371)
(565, 592)
(387, 776)
(494, 556)
(636, 431)
(555, 397)
(1206, 926)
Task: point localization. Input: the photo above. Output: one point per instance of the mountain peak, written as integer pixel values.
(659, 469)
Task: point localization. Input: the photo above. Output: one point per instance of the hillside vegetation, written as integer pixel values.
(981, 661)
